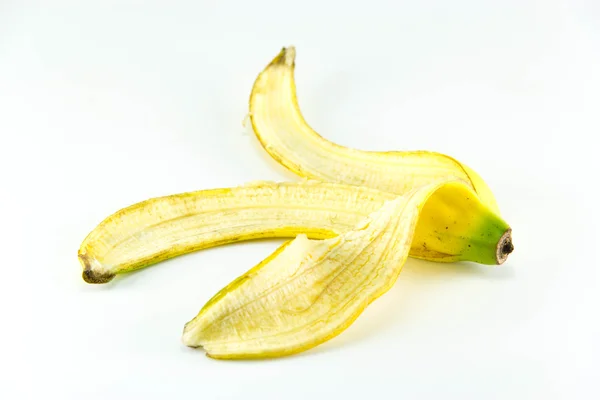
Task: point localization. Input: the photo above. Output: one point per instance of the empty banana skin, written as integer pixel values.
(354, 220)
(284, 133)
(453, 226)
(309, 291)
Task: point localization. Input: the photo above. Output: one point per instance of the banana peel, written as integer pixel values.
(454, 225)
(355, 219)
(283, 132)
(309, 291)
(165, 227)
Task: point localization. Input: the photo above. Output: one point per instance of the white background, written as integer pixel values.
(106, 103)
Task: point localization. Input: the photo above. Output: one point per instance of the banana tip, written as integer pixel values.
(286, 56)
(188, 337)
(91, 276)
(504, 247)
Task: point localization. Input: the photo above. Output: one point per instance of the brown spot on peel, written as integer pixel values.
(91, 276)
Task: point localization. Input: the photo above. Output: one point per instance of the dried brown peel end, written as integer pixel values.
(287, 56)
(505, 247)
(91, 276)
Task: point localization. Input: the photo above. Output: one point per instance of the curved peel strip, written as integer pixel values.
(165, 227)
(287, 137)
(309, 291)
(454, 224)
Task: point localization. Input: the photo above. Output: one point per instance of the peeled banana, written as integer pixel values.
(453, 225)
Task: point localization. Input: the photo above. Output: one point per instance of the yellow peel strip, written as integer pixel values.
(309, 291)
(161, 228)
(288, 138)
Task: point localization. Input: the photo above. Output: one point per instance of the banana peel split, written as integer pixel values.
(309, 291)
(454, 225)
(355, 218)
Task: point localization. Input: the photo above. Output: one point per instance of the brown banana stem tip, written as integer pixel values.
(287, 56)
(91, 276)
(504, 247)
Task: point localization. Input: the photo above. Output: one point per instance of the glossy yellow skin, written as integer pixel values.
(161, 228)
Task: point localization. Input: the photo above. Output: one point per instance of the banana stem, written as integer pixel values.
(505, 247)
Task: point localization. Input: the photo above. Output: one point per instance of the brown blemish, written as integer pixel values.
(504, 247)
(507, 247)
(287, 56)
(91, 276)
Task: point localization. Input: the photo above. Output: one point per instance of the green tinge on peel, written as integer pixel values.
(309, 291)
(165, 227)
